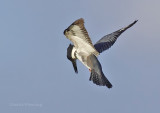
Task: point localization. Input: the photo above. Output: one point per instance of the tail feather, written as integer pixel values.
(99, 79)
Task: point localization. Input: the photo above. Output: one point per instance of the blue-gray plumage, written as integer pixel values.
(87, 53)
(97, 75)
(107, 41)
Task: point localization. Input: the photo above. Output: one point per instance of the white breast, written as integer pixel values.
(82, 56)
(82, 49)
(73, 53)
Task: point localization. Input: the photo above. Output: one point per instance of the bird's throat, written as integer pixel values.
(73, 53)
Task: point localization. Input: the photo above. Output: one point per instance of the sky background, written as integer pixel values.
(36, 77)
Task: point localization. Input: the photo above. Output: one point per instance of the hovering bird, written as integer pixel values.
(87, 53)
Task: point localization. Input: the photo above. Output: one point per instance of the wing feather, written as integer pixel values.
(77, 33)
(107, 41)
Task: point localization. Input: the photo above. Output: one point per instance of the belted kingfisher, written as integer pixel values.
(87, 53)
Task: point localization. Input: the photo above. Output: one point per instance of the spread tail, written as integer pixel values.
(99, 79)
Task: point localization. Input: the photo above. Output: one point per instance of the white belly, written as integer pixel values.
(82, 56)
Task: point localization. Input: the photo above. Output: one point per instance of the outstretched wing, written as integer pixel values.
(77, 33)
(107, 41)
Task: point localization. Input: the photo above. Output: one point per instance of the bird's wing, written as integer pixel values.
(107, 41)
(97, 75)
(77, 33)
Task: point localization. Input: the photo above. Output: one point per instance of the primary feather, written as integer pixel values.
(107, 41)
(77, 33)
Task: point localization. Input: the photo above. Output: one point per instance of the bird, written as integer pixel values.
(87, 53)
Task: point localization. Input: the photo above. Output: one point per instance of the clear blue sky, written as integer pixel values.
(36, 77)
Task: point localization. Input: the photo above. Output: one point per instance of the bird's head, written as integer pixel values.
(71, 52)
(71, 56)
